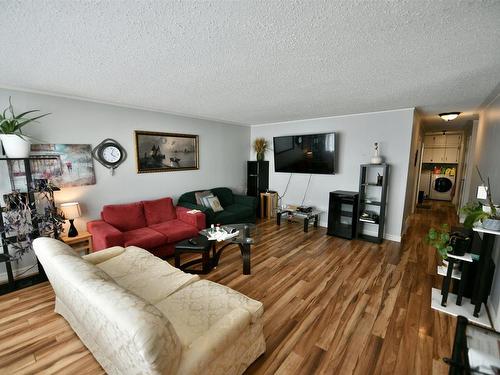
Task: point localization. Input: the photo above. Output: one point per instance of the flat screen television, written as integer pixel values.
(307, 153)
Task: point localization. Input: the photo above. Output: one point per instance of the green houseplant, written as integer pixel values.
(440, 240)
(488, 214)
(15, 142)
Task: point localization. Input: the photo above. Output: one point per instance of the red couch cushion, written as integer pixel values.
(176, 230)
(124, 217)
(159, 211)
(145, 238)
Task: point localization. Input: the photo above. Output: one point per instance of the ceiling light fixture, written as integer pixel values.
(448, 116)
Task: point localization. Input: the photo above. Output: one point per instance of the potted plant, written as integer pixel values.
(260, 147)
(19, 215)
(440, 240)
(15, 143)
(488, 215)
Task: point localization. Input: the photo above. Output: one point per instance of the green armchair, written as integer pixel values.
(237, 208)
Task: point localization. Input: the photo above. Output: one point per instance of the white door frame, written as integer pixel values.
(469, 161)
(419, 171)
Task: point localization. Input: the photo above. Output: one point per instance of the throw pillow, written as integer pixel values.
(205, 202)
(215, 204)
(200, 194)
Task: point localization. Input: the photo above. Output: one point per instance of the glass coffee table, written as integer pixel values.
(248, 235)
(312, 215)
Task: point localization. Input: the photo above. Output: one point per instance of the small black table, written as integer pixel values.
(201, 246)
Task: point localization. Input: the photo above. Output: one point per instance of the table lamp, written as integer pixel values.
(71, 211)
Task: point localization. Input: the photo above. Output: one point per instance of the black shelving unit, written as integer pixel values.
(13, 283)
(257, 179)
(343, 214)
(372, 198)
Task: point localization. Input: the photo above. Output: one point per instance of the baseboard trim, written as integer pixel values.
(4, 278)
(492, 313)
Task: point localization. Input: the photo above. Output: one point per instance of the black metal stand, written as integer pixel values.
(13, 284)
(482, 285)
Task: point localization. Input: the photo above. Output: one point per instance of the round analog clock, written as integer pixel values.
(109, 153)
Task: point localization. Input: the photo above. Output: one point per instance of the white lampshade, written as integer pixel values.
(71, 210)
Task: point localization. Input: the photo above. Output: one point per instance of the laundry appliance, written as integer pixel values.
(442, 187)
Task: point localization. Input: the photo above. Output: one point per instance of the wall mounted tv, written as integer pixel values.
(307, 153)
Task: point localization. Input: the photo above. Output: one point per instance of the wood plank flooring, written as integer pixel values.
(331, 307)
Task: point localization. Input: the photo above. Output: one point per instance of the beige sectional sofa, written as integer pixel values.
(139, 315)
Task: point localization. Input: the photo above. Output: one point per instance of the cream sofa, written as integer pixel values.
(139, 315)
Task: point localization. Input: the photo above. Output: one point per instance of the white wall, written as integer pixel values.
(487, 157)
(355, 137)
(224, 150)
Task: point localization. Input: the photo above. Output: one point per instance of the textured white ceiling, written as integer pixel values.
(255, 62)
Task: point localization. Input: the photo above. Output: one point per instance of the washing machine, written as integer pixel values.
(442, 187)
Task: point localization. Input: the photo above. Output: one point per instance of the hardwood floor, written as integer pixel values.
(331, 307)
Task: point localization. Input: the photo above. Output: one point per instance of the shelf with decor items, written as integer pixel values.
(372, 201)
(27, 213)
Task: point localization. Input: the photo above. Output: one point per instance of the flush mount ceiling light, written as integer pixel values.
(449, 116)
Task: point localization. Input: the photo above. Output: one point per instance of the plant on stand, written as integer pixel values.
(440, 240)
(24, 221)
(260, 147)
(15, 142)
(488, 214)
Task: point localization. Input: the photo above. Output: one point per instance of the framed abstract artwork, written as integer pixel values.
(166, 152)
(65, 165)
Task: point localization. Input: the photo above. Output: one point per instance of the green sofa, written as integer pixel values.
(237, 208)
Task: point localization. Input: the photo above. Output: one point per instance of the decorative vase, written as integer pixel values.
(15, 146)
(260, 156)
(491, 224)
(376, 158)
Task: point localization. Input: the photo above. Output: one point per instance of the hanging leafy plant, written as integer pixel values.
(474, 210)
(440, 240)
(19, 218)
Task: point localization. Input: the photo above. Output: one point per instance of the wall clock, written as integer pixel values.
(110, 154)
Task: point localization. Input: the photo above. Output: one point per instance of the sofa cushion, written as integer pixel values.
(159, 210)
(200, 194)
(124, 217)
(214, 204)
(195, 308)
(226, 217)
(145, 275)
(144, 237)
(188, 197)
(175, 230)
(241, 210)
(225, 196)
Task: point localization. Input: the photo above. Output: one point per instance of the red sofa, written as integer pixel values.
(153, 225)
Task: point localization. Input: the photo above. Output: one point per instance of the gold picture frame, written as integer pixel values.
(166, 152)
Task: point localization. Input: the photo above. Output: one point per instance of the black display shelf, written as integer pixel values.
(367, 190)
(23, 282)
